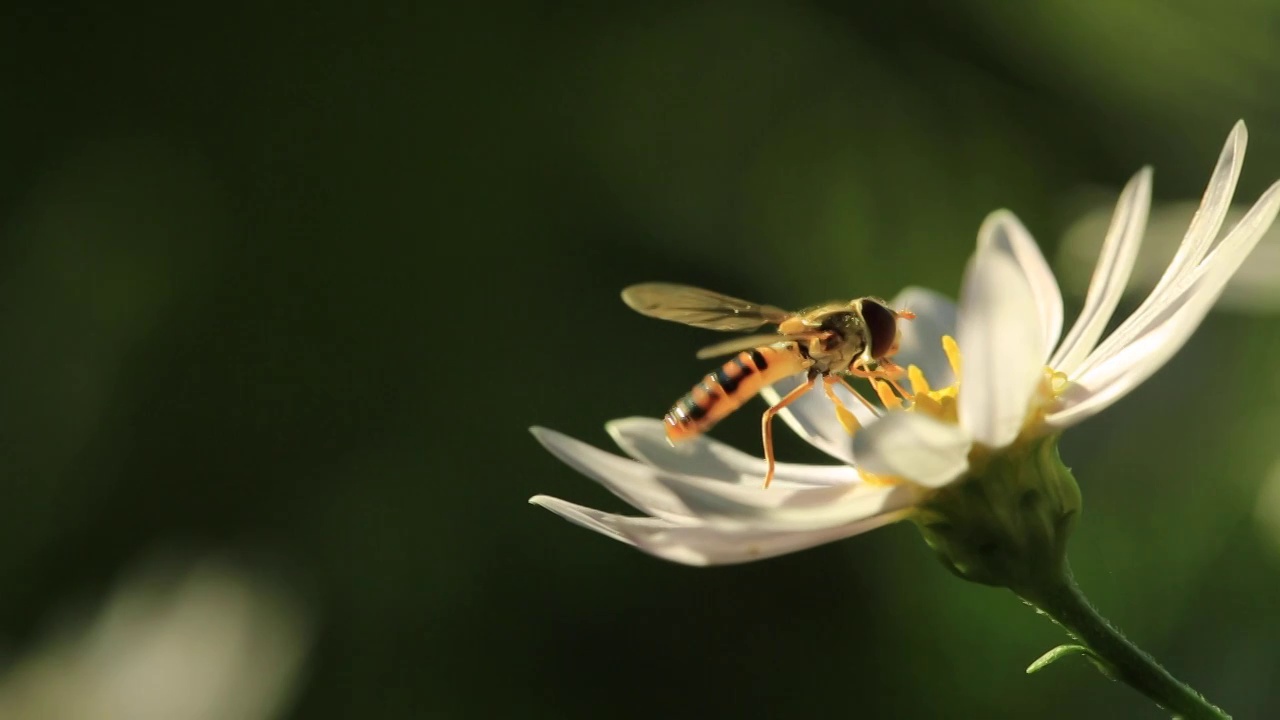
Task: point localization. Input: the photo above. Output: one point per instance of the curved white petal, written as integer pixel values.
(1213, 210)
(645, 439)
(649, 488)
(726, 506)
(1001, 340)
(916, 447)
(703, 545)
(1166, 333)
(921, 342)
(632, 481)
(1003, 231)
(606, 524)
(1253, 290)
(1200, 235)
(1115, 264)
(813, 417)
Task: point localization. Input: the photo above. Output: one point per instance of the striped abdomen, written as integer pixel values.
(728, 387)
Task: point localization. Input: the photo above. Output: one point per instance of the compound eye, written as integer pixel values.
(882, 327)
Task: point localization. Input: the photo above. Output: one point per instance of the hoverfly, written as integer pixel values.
(857, 337)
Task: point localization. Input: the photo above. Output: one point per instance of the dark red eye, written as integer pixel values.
(882, 327)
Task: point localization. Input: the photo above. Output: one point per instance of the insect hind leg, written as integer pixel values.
(766, 423)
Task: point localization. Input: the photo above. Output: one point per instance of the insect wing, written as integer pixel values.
(700, 308)
(749, 342)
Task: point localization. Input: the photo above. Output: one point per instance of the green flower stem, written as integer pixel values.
(1066, 605)
(1007, 525)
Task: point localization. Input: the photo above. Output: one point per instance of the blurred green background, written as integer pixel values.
(290, 283)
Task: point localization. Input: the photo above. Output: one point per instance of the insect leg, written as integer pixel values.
(854, 391)
(766, 423)
(882, 374)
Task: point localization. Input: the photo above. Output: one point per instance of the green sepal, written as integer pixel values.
(1007, 523)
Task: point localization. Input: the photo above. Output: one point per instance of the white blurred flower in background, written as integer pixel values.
(1255, 287)
(206, 641)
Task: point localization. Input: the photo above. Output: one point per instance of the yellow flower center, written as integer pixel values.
(941, 403)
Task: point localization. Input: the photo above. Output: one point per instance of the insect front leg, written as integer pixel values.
(766, 423)
(885, 370)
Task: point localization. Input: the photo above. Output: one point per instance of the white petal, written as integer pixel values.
(707, 546)
(602, 522)
(645, 439)
(1004, 232)
(728, 507)
(813, 417)
(1166, 333)
(1213, 209)
(634, 482)
(649, 488)
(1254, 290)
(1001, 340)
(921, 343)
(1115, 264)
(916, 447)
(1102, 386)
(703, 545)
(1210, 276)
(1177, 278)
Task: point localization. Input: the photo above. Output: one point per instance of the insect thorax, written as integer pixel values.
(846, 338)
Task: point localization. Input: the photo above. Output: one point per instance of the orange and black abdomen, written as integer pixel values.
(728, 387)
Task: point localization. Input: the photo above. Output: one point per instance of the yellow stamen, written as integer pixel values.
(940, 402)
(885, 391)
(919, 385)
(882, 480)
(1057, 381)
(952, 350)
(847, 419)
(1052, 384)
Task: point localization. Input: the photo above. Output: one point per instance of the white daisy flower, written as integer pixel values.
(985, 376)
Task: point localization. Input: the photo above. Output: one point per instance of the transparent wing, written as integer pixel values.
(749, 342)
(700, 308)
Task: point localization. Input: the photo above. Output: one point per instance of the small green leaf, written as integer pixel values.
(1064, 650)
